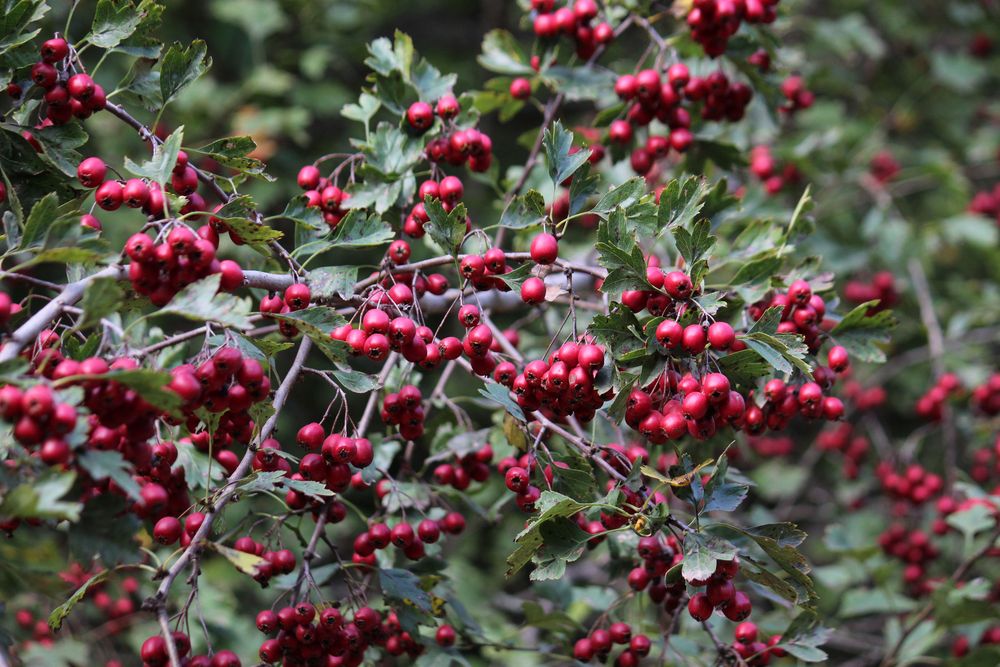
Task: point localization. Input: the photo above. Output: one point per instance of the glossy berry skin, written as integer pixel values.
(520, 88)
(167, 530)
(677, 284)
(721, 335)
(544, 248)
(53, 50)
(297, 296)
(420, 116)
(700, 607)
(533, 291)
(838, 359)
(91, 172)
(739, 608)
(445, 636)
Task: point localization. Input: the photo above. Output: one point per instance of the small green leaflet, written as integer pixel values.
(524, 211)
(701, 552)
(60, 613)
(202, 301)
(102, 298)
(41, 499)
(551, 506)
(180, 66)
(317, 323)
(557, 142)
(159, 167)
(332, 281)
(502, 54)
(114, 20)
(696, 243)
(863, 335)
(111, 464)
(232, 152)
(500, 394)
(446, 228)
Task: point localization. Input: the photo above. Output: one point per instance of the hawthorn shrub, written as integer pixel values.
(589, 356)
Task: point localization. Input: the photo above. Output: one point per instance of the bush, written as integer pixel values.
(659, 334)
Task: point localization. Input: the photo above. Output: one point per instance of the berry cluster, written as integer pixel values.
(748, 646)
(802, 312)
(322, 193)
(765, 167)
(713, 22)
(563, 385)
(720, 593)
(986, 397)
(67, 95)
(931, 405)
(599, 643)
(881, 287)
(660, 96)
(297, 296)
(915, 485)
(403, 536)
(574, 21)
(987, 203)
(854, 446)
(160, 270)
(913, 547)
(154, 653)
(797, 96)
(449, 191)
(473, 466)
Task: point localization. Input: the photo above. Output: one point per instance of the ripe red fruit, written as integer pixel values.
(53, 50)
(669, 333)
(677, 284)
(838, 359)
(739, 608)
(297, 296)
(700, 607)
(693, 340)
(309, 177)
(799, 292)
(80, 86)
(533, 291)
(620, 132)
(520, 88)
(450, 189)
(583, 650)
(445, 636)
(232, 275)
(167, 530)
(420, 116)
(109, 196)
(721, 335)
(91, 172)
(447, 107)
(544, 248)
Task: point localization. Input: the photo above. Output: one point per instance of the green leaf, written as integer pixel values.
(59, 143)
(779, 542)
(252, 234)
(581, 83)
(390, 151)
(681, 201)
(359, 230)
(428, 81)
(557, 143)
(404, 586)
(386, 57)
(970, 522)
(37, 225)
(804, 205)
(42, 499)
(803, 638)
(695, 243)
(701, 552)
(365, 109)
(332, 281)
(108, 528)
(202, 301)
(356, 382)
(110, 464)
(114, 21)
(500, 394)
(159, 167)
(524, 211)
(622, 196)
(142, 43)
(551, 506)
(148, 383)
(446, 228)
(317, 323)
(516, 277)
(298, 212)
(232, 152)
(180, 66)
(862, 334)
(722, 495)
(502, 54)
(248, 564)
(101, 298)
(621, 256)
(619, 331)
(861, 602)
(60, 613)
(782, 351)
